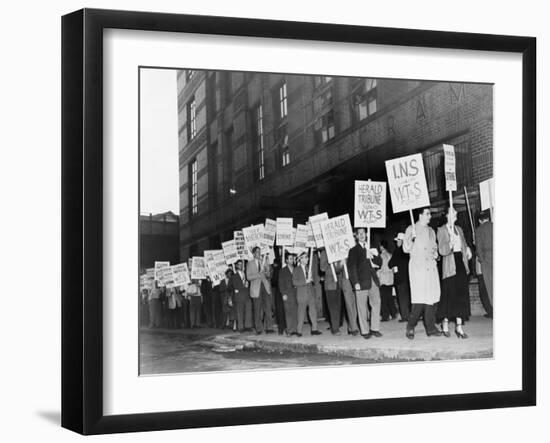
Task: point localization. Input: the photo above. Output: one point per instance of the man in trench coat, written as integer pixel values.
(420, 243)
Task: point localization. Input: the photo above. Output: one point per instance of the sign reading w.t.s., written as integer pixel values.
(407, 182)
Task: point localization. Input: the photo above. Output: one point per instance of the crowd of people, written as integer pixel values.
(424, 276)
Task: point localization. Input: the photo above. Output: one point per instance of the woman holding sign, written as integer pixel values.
(455, 295)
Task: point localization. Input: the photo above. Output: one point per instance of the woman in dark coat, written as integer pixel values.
(455, 295)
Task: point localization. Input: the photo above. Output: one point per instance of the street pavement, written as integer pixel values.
(392, 346)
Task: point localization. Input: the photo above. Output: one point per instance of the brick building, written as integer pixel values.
(255, 145)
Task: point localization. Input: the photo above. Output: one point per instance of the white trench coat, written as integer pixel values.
(423, 274)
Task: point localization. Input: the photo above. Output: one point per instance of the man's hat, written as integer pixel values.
(302, 254)
(400, 236)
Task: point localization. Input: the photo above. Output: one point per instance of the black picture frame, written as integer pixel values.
(82, 218)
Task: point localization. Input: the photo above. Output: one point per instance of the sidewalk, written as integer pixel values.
(392, 346)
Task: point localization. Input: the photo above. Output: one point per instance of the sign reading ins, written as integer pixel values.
(407, 182)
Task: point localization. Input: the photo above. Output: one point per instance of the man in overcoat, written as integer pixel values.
(420, 243)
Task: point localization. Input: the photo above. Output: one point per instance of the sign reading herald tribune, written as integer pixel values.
(370, 204)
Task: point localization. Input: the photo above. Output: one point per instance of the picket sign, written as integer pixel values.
(230, 251)
(270, 231)
(180, 274)
(338, 239)
(369, 204)
(198, 268)
(486, 194)
(450, 171)
(160, 265)
(315, 223)
(284, 232)
(407, 183)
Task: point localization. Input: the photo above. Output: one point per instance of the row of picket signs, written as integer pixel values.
(408, 191)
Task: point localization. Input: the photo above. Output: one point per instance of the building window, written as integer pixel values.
(194, 187)
(191, 119)
(324, 126)
(283, 109)
(260, 142)
(319, 80)
(365, 97)
(284, 149)
(286, 156)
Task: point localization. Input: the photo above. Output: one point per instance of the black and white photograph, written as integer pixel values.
(292, 220)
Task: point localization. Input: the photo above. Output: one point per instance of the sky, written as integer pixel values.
(159, 178)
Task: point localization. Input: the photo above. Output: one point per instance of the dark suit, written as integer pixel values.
(242, 300)
(227, 303)
(362, 272)
(291, 303)
(306, 299)
(401, 280)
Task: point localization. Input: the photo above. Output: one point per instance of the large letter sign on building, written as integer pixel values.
(407, 181)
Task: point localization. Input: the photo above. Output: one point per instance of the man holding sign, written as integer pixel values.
(362, 275)
(258, 274)
(420, 243)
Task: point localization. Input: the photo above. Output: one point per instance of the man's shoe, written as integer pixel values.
(366, 336)
(336, 333)
(436, 333)
(297, 334)
(269, 331)
(410, 334)
(316, 332)
(376, 333)
(258, 332)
